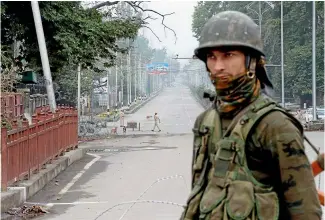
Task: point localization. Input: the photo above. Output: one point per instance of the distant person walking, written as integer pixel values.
(121, 118)
(157, 120)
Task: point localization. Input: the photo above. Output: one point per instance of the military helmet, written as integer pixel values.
(233, 29)
(229, 28)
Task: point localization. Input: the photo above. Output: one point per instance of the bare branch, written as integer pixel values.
(105, 4)
(8, 79)
(152, 32)
(166, 27)
(149, 17)
(137, 7)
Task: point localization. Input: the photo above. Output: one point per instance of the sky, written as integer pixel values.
(180, 22)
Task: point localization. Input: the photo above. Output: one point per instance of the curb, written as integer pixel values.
(15, 196)
(137, 107)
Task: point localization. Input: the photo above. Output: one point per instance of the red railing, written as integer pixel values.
(12, 105)
(27, 149)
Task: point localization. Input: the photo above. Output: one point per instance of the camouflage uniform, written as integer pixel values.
(252, 165)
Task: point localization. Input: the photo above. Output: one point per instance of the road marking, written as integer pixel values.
(76, 177)
(163, 124)
(189, 118)
(103, 202)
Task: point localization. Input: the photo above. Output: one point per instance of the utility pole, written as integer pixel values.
(122, 79)
(260, 16)
(260, 12)
(282, 58)
(135, 80)
(314, 61)
(108, 88)
(79, 96)
(44, 55)
(140, 76)
(130, 78)
(116, 90)
(170, 72)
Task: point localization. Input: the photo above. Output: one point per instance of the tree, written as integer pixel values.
(138, 15)
(297, 40)
(73, 34)
(160, 55)
(142, 47)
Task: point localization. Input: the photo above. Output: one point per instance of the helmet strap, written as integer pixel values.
(250, 66)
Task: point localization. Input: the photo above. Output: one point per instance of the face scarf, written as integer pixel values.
(235, 93)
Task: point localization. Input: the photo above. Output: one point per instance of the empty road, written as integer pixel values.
(150, 168)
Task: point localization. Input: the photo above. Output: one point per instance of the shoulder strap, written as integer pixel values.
(210, 125)
(212, 121)
(208, 120)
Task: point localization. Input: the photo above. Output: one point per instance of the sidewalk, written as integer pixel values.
(16, 195)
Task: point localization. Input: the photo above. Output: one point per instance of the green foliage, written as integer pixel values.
(297, 40)
(143, 48)
(68, 82)
(160, 55)
(73, 34)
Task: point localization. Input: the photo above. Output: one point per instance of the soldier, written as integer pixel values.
(248, 160)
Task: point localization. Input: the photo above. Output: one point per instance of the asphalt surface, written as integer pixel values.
(151, 168)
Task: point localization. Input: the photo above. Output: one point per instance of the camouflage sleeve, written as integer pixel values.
(284, 139)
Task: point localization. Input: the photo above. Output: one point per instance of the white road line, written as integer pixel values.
(76, 177)
(151, 123)
(189, 118)
(103, 202)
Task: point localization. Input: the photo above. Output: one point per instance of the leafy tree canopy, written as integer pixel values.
(73, 34)
(297, 23)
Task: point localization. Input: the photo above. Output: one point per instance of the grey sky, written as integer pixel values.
(180, 22)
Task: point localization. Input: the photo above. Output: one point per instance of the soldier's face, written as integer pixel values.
(224, 65)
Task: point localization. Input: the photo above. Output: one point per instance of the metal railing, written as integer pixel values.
(27, 148)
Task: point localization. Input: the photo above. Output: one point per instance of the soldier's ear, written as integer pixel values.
(206, 67)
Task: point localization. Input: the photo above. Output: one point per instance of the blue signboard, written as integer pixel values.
(157, 68)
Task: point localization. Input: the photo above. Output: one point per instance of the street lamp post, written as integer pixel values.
(140, 75)
(116, 90)
(282, 58)
(122, 84)
(108, 88)
(129, 78)
(79, 96)
(44, 55)
(314, 61)
(135, 80)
